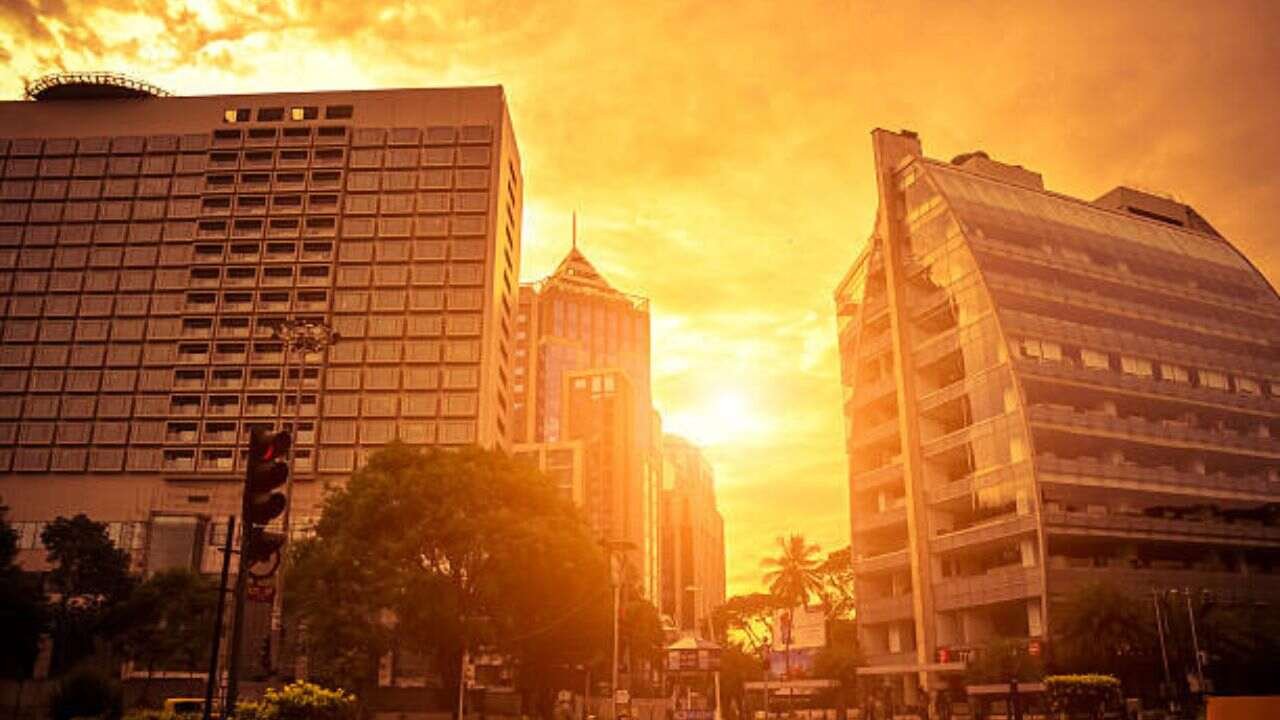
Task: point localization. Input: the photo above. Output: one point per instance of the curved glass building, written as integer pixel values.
(1041, 392)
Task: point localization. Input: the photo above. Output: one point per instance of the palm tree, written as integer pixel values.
(792, 577)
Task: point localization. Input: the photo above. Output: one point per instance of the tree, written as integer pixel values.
(745, 618)
(168, 621)
(89, 577)
(738, 665)
(835, 592)
(839, 660)
(1241, 642)
(1001, 659)
(1101, 629)
(1082, 694)
(300, 701)
(23, 614)
(447, 552)
(792, 578)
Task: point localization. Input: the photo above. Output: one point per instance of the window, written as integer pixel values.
(338, 112)
(235, 115)
(1135, 366)
(1095, 360)
(1213, 379)
(1248, 386)
(270, 114)
(307, 112)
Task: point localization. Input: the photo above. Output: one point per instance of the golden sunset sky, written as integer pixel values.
(718, 155)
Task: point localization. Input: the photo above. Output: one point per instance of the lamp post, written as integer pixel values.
(303, 336)
(617, 562)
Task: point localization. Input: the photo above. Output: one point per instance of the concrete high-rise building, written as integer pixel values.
(1043, 392)
(580, 394)
(150, 244)
(692, 549)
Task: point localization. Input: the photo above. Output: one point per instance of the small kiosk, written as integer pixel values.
(693, 679)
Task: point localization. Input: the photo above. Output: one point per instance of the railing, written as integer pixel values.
(994, 586)
(1145, 429)
(1051, 469)
(1066, 580)
(987, 532)
(884, 609)
(867, 522)
(1130, 525)
(880, 563)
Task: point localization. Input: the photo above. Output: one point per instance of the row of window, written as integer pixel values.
(297, 135)
(1147, 368)
(156, 459)
(150, 379)
(92, 306)
(142, 281)
(15, 169)
(336, 404)
(422, 226)
(255, 205)
(14, 355)
(20, 191)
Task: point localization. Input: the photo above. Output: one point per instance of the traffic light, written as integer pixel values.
(266, 471)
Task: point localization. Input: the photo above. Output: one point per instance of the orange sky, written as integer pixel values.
(718, 155)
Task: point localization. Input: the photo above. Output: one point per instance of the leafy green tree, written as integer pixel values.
(792, 577)
(23, 614)
(1090, 695)
(443, 551)
(1102, 629)
(1241, 643)
(168, 622)
(839, 660)
(738, 666)
(835, 592)
(745, 618)
(85, 693)
(1000, 659)
(89, 579)
(300, 701)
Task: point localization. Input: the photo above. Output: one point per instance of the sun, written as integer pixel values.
(722, 417)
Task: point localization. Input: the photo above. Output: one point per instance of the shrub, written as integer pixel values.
(1091, 694)
(85, 693)
(300, 701)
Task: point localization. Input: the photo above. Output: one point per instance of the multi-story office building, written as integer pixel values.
(580, 392)
(692, 549)
(149, 245)
(1043, 392)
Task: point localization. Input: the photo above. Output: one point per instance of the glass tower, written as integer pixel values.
(1042, 392)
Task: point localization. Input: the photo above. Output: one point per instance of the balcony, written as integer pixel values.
(881, 563)
(1151, 431)
(871, 522)
(885, 430)
(1142, 526)
(1066, 580)
(904, 659)
(1092, 471)
(1066, 370)
(886, 476)
(994, 586)
(869, 392)
(885, 609)
(988, 532)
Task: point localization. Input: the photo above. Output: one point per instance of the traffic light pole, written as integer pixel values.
(215, 646)
(237, 629)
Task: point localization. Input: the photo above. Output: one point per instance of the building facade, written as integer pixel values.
(692, 548)
(581, 385)
(148, 247)
(1043, 392)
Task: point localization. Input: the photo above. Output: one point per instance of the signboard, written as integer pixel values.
(690, 660)
(805, 628)
(622, 696)
(263, 591)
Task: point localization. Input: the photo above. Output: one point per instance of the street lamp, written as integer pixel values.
(304, 336)
(617, 561)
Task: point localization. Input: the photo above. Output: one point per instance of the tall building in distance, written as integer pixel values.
(582, 406)
(150, 244)
(1043, 392)
(692, 548)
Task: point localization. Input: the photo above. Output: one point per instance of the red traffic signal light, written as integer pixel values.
(265, 471)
